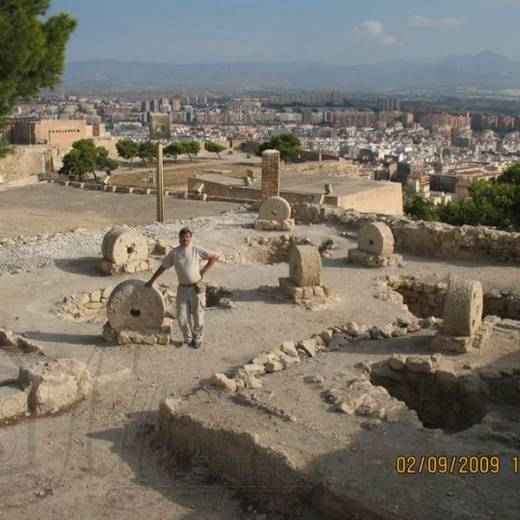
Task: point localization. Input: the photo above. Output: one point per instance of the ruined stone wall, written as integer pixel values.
(426, 298)
(421, 238)
(341, 167)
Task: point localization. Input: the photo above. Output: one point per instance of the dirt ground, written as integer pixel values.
(97, 460)
(51, 208)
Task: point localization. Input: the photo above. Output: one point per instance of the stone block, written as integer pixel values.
(370, 260)
(53, 385)
(7, 338)
(288, 287)
(397, 361)
(274, 225)
(308, 346)
(305, 266)
(460, 344)
(273, 366)
(13, 402)
(289, 348)
(419, 364)
(223, 382)
(250, 380)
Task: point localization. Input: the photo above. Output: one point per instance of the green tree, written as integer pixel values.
(174, 150)
(210, 146)
(32, 52)
(147, 151)
(86, 157)
(511, 175)
(286, 143)
(419, 208)
(104, 162)
(192, 148)
(491, 204)
(127, 149)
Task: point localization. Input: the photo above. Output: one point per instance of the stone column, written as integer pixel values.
(270, 174)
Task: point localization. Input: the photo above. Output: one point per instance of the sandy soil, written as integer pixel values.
(96, 461)
(51, 208)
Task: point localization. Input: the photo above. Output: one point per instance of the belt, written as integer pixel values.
(187, 284)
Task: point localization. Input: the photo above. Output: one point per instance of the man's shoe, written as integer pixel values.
(196, 344)
(187, 343)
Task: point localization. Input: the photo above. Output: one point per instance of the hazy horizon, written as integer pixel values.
(304, 31)
(273, 62)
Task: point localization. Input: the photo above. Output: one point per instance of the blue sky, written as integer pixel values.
(345, 32)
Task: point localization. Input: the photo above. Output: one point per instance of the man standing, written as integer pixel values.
(191, 293)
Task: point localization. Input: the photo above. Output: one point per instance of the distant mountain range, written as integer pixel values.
(486, 70)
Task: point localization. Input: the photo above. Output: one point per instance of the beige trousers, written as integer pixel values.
(190, 313)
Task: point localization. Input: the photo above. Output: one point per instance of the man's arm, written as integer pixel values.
(160, 270)
(212, 261)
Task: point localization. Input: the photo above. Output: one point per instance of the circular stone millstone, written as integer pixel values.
(376, 238)
(463, 307)
(132, 306)
(305, 266)
(274, 208)
(123, 245)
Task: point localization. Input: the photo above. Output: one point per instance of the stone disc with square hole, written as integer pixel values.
(463, 307)
(274, 208)
(132, 306)
(123, 245)
(376, 238)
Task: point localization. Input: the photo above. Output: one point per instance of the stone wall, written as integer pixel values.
(426, 298)
(27, 161)
(339, 167)
(30, 160)
(421, 238)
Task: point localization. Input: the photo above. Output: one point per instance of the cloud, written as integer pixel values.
(435, 23)
(372, 32)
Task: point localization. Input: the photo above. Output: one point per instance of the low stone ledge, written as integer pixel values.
(297, 294)
(274, 225)
(422, 238)
(361, 257)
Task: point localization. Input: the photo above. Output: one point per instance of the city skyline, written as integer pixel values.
(199, 31)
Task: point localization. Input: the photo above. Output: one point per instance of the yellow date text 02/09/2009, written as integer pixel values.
(455, 464)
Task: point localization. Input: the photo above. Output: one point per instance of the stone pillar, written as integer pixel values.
(270, 173)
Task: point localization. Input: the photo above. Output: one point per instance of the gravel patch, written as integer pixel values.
(26, 253)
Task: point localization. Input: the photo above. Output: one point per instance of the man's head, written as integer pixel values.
(185, 237)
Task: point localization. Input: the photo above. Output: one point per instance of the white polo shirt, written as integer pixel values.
(186, 261)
